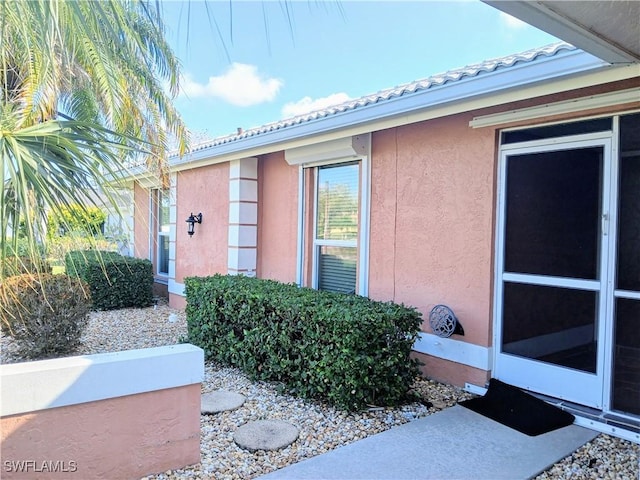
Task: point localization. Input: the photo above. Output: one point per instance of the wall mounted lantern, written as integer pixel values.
(192, 220)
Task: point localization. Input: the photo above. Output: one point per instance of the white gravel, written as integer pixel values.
(322, 427)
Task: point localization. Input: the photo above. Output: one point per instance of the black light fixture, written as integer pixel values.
(192, 220)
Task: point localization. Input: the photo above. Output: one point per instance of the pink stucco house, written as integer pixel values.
(508, 190)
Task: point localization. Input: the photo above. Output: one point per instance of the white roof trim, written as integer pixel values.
(402, 110)
(544, 18)
(519, 78)
(558, 108)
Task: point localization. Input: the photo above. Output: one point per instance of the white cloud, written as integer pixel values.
(307, 104)
(511, 22)
(241, 85)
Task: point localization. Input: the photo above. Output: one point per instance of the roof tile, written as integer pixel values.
(450, 76)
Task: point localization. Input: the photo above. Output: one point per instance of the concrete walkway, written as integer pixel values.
(455, 443)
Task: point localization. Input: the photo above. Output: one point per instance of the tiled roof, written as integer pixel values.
(405, 90)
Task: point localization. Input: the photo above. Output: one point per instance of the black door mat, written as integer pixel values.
(516, 409)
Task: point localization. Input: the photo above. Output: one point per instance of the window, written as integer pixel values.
(163, 231)
(333, 214)
(336, 229)
(556, 130)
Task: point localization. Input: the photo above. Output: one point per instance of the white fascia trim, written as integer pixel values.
(558, 108)
(176, 288)
(454, 351)
(545, 76)
(44, 384)
(539, 15)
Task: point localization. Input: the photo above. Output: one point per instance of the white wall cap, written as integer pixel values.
(43, 384)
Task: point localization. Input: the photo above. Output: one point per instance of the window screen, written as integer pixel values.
(336, 230)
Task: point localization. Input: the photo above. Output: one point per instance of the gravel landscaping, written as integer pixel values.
(322, 428)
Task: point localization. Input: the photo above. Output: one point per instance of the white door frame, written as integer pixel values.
(554, 380)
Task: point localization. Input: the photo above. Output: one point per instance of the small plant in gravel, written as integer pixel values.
(45, 314)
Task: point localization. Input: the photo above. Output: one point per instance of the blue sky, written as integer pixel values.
(249, 63)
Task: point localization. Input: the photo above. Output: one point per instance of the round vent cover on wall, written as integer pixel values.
(443, 322)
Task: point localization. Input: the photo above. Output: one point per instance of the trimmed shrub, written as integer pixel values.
(115, 281)
(344, 349)
(45, 314)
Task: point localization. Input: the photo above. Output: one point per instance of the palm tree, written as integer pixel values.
(82, 90)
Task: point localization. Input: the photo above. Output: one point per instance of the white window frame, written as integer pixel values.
(362, 243)
(159, 193)
(318, 243)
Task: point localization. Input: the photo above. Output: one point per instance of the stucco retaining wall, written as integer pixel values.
(119, 415)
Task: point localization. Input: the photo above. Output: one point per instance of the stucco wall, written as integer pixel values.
(277, 218)
(432, 220)
(108, 415)
(205, 190)
(141, 221)
(125, 437)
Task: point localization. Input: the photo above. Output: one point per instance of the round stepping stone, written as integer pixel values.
(266, 435)
(220, 401)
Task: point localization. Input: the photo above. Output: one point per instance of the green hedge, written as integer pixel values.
(115, 281)
(344, 349)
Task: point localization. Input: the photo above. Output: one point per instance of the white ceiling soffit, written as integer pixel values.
(609, 29)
